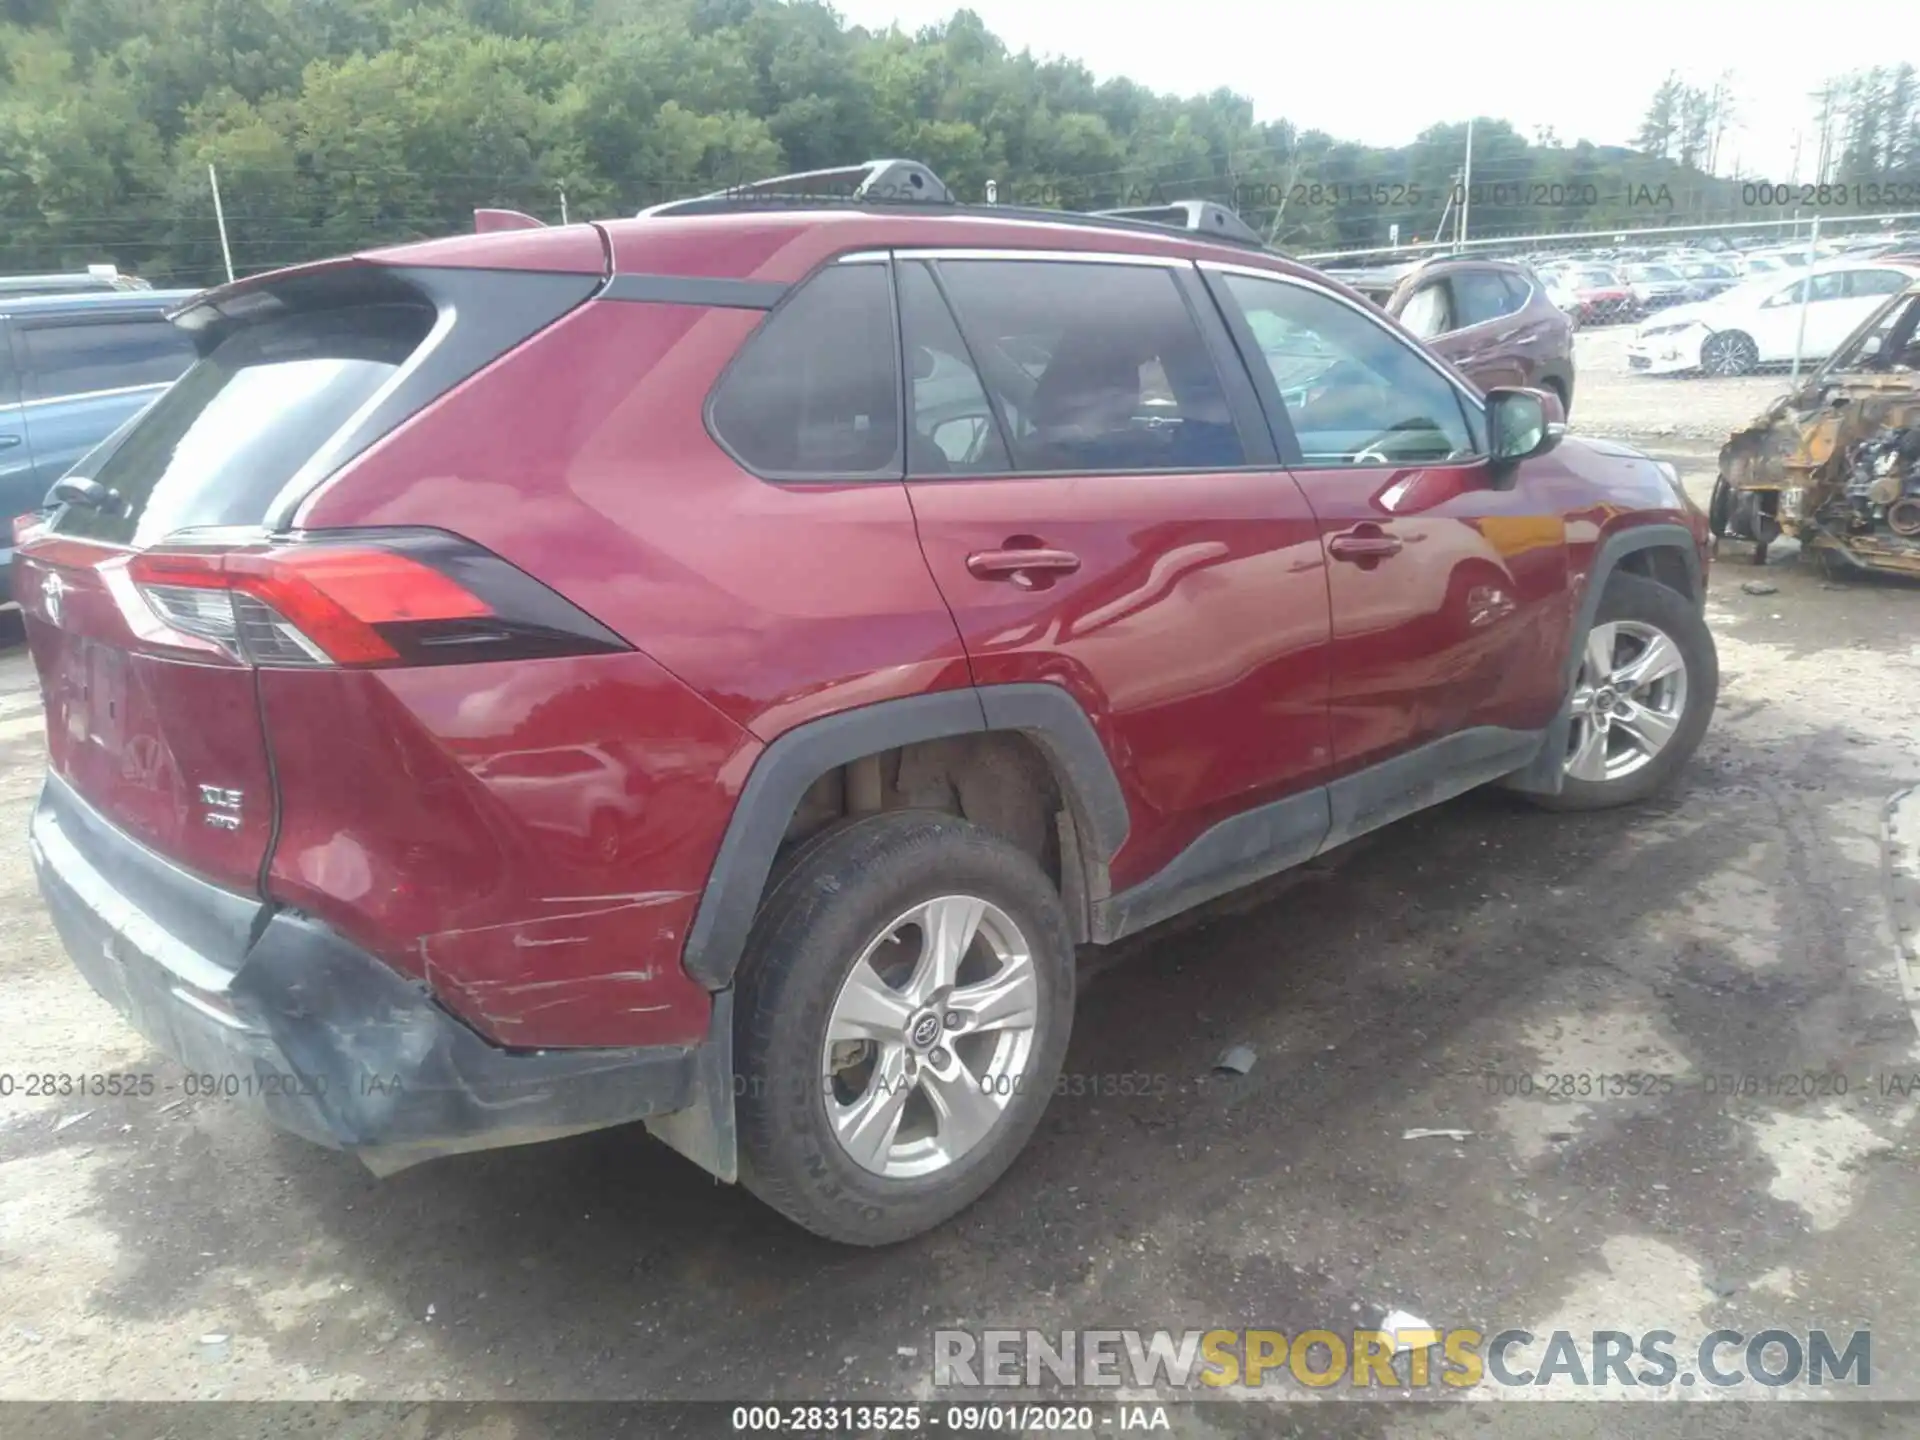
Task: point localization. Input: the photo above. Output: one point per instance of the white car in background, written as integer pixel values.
(1758, 322)
(1772, 262)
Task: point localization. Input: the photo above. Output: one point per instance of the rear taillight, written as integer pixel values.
(362, 598)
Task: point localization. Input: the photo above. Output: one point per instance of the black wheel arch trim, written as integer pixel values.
(1045, 713)
(1548, 768)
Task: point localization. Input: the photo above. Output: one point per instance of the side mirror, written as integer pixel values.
(1521, 424)
(922, 363)
(1869, 347)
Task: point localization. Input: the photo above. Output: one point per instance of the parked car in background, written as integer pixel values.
(1561, 293)
(1187, 566)
(73, 368)
(79, 282)
(1656, 286)
(1760, 322)
(1604, 297)
(1772, 262)
(1492, 318)
(1707, 278)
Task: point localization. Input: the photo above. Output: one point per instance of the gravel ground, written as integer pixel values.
(152, 1249)
(1610, 400)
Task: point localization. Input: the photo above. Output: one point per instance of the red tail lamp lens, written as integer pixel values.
(364, 597)
(332, 596)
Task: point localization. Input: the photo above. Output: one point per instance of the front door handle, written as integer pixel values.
(7, 442)
(1363, 545)
(1029, 567)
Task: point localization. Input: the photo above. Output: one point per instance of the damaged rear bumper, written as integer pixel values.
(274, 1008)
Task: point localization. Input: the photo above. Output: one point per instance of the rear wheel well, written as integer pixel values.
(1000, 780)
(1663, 564)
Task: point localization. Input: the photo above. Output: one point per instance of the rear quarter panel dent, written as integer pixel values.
(530, 839)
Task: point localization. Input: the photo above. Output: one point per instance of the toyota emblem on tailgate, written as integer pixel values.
(52, 589)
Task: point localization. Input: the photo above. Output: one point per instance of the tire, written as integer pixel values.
(1720, 508)
(1561, 393)
(1632, 609)
(842, 897)
(1729, 352)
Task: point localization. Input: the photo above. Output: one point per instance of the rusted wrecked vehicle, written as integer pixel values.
(1836, 463)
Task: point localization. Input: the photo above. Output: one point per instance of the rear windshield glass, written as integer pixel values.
(217, 447)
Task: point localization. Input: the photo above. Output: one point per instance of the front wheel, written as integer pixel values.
(1729, 352)
(1648, 679)
(904, 1008)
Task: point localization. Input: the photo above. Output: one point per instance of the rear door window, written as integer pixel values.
(218, 447)
(1094, 368)
(815, 393)
(86, 356)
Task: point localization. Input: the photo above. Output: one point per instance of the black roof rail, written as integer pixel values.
(882, 182)
(908, 182)
(1209, 217)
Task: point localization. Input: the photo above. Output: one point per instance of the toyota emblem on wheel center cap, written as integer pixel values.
(924, 1030)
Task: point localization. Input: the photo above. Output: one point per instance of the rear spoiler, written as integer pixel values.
(485, 222)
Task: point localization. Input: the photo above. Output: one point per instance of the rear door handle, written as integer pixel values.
(1363, 543)
(1027, 568)
(7, 442)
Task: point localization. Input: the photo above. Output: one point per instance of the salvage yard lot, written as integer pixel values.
(163, 1246)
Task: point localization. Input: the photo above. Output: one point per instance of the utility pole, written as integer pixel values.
(1466, 190)
(1806, 293)
(220, 219)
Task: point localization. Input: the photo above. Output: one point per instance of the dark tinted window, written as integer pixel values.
(953, 429)
(218, 447)
(1095, 368)
(1356, 393)
(1830, 286)
(1479, 296)
(78, 356)
(1877, 282)
(1518, 290)
(815, 394)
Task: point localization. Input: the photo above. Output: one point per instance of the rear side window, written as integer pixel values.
(1876, 282)
(218, 447)
(1481, 296)
(1093, 367)
(815, 394)
(85, 356)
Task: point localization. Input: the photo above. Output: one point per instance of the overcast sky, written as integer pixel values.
(1362, 72)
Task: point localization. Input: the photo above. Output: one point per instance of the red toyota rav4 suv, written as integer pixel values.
(713, 668)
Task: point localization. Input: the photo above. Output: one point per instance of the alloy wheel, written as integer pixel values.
(1627, 702)
(930, 1037)
(1728, 353)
